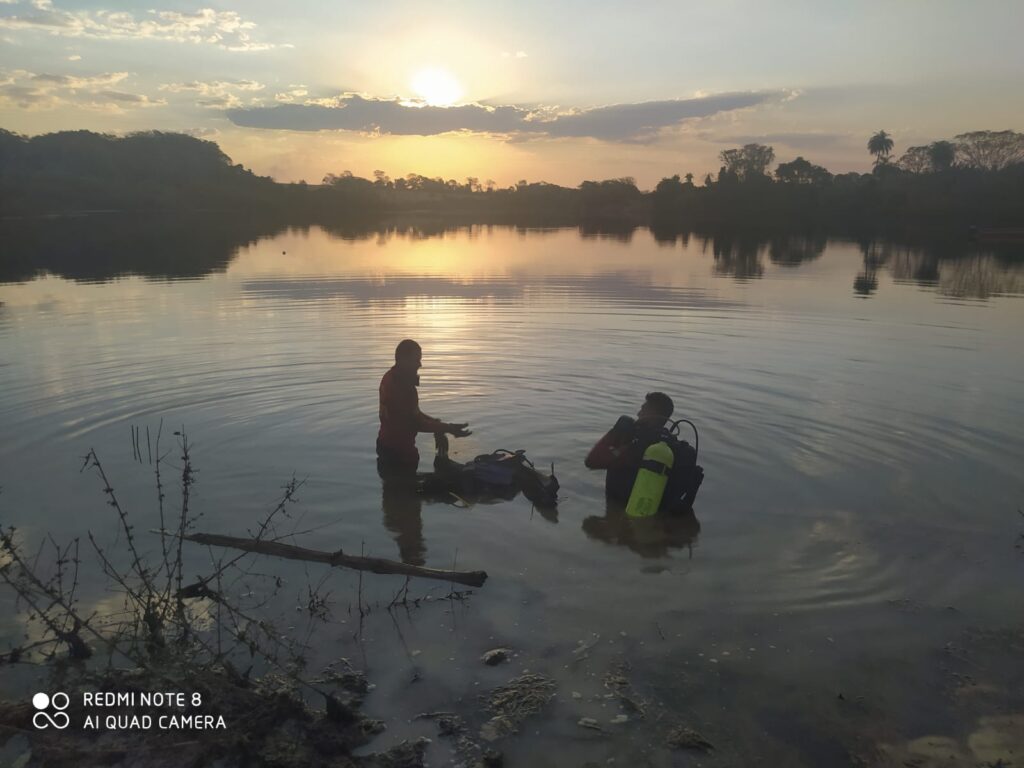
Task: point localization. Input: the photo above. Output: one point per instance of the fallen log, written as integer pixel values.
(337, 559)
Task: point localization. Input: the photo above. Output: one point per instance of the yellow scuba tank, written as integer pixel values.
(650, 480)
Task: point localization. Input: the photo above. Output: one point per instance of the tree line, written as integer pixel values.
(973, 178)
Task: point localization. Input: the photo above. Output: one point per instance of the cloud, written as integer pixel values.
(216, 94)
(795, 140)
(25, 97)
(73, 82)
(291, 96)
(620, 122)
(641, 120)
(74, 57)
(129, 98)
(37, 91)
(225, 29)
(201, 133)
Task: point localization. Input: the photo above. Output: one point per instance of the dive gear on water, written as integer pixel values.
(498, 475)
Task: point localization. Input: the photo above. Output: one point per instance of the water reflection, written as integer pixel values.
(106, 247)
(792, 251)
(974, 276)
(649, 537)
(618, 286)
(874, 254)
(402, 505)
(608, 230)
(852, 455)
(950, 269)
(737, 255)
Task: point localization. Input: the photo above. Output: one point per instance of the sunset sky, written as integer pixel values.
(505, 91)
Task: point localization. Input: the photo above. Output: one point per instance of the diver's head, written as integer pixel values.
(656, 410)
(408, 356)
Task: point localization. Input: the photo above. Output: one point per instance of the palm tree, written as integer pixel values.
(880, 145)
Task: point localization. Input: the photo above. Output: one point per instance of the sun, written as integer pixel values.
(437, 87)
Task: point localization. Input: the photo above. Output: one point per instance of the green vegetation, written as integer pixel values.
(974, 178)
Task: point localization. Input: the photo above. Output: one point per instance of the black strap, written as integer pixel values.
(655, 466)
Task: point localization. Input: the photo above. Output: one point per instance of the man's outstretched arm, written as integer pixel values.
(425, 423)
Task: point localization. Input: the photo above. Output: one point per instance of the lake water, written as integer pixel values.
(849, 585)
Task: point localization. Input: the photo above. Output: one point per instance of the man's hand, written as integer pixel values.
(457, 430)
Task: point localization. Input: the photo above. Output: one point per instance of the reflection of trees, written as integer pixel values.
(607, 230)
(946, 265)
(737, 255)
(794, 250)
(865, 283)
(649, 536)
(980, 276)
(875, 253)
(105, 247)
(915, 265)
(669, 235)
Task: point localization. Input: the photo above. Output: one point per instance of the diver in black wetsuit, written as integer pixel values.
(621, 451)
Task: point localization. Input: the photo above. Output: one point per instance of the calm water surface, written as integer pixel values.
(860, 411)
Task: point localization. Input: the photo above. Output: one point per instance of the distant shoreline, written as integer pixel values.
(77, 172)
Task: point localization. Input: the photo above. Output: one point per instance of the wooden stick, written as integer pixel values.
(335, 559)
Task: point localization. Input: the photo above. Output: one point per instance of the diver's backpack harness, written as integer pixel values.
(668, 475)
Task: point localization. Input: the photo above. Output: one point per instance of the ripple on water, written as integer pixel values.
(830, 427)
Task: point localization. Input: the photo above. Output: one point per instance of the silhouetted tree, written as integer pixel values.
(749, 161)
(880, 145)
(669, 186)
(668, 196)
(989, 150)
(942, 154)
(348, 182)
(916, 160)
(727, 177)
(609, 199)
(937, 156)
(802, 171)
(81, 170)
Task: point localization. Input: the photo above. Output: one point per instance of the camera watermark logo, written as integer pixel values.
(43, 719)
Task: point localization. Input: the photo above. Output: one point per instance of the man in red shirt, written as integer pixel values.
(400, 415)
(621, 450)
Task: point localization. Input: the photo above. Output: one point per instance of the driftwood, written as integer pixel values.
(337, 559)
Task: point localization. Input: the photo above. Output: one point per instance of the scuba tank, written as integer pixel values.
(651, 479)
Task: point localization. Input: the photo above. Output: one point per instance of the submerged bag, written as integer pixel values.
(501, 474)
(498, 469)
